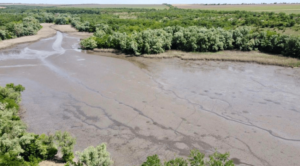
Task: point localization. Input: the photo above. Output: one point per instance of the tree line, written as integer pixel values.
(196, 39)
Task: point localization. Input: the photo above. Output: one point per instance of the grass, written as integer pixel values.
(126, 15)
(286, 8)
(235, 56)
(294, 31)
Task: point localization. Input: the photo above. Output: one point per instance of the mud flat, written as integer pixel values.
(141, 106)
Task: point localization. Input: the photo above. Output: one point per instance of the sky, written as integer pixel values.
(141, 1)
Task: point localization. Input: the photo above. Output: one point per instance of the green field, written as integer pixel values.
(140, 6)
(146, 6)
(286, 8)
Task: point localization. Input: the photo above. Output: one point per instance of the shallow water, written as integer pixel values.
(165, 107)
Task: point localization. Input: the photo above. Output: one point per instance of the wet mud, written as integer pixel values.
(141, 107)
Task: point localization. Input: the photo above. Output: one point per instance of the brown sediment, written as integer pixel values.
(72, 31)
(105, 50)
(232, 56)
(51, 163)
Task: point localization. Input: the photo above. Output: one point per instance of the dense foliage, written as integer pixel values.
(93, 156)
(28, 26)
(193, 38)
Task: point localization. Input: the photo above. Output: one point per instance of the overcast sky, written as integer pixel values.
(140, 1)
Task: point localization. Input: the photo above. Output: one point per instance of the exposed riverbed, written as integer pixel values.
(141, 107)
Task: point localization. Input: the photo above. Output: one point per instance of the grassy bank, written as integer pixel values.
(234, 56)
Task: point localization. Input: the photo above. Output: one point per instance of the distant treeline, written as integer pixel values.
(263, 3)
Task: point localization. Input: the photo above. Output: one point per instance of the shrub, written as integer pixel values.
(93, 156)
(176, 162)
(152, 161)
(66, 144)
(89, 43)
(2, 35)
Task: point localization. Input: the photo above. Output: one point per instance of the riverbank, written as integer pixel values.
(233, 56)
(45, 32)
(72, 31)
(48, 30)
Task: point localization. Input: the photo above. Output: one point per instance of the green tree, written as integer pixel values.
(93, 156)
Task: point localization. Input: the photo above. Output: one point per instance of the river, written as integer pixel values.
(141, 107)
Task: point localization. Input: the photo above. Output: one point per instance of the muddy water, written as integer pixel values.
(165, 107)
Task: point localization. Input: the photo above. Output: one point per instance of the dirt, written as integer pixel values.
(50, 163)
(141, 106)
(72, 31)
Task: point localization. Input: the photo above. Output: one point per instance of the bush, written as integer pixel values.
(177, 162)
(88, 43)
(61, 20)
(66, 144)
(2, 35)
(152, 161)
(93, 156)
